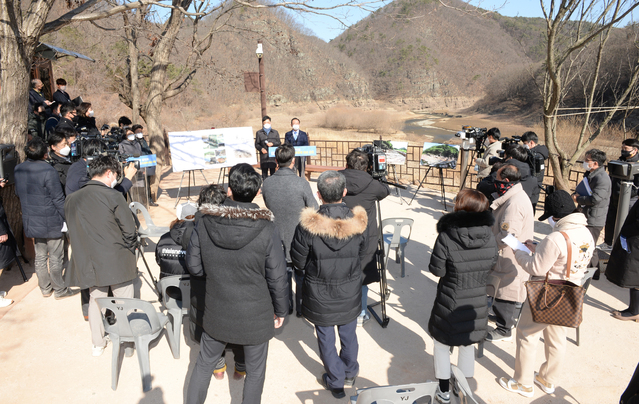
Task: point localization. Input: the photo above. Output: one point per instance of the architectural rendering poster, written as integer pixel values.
(397, 153)
(439, 155)
(212, 148)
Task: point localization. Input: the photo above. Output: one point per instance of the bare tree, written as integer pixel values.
(571, 27)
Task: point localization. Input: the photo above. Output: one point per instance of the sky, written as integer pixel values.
(328, 28)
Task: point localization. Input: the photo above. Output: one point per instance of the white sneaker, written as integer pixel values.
(98, 350)
(361, 320)
(604, 247)
(442, 397)
(547, 388)
(5, 302)
(513, 386)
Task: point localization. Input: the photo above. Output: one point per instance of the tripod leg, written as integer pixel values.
(420, 185)
(15, 256)
(179, 189)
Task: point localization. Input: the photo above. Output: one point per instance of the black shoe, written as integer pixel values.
(597, 275)
(494, 335)
(350, 381)
(337, 393)
(151, 203)
(67, 293)
(298, 314)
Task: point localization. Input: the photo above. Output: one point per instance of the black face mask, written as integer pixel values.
(625, 154)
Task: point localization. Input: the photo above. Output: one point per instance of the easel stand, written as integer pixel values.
(441, 183)
(188, 192)
(391, 170)
(383, 288)
(221, 175)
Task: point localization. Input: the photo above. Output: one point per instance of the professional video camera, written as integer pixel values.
(471, 132)
(376, 158)
(124, 160)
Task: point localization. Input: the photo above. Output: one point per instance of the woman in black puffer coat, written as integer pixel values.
(463, 254)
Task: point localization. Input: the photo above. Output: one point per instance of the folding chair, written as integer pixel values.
(151, 230)
(138, 322)
(396, 240)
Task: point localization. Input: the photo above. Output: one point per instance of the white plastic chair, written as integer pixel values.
(176, 308)
(151, 230)
(395, 239)
(136, 321)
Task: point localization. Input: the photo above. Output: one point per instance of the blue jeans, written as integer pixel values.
(364, 299)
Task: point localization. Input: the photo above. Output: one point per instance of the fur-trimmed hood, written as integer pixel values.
(335, 224)
(470, 229)
(233, 225)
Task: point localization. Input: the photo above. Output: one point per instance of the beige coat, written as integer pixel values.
(513, 215)
(552, 253)
(484, 167)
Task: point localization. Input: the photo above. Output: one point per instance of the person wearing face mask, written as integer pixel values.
(42, 202)
(86, 121)
(464, 252)
(59, 155)
(540, 154)
(53, 120)
(549, 258)
(629, 153)
(493, 146)
(36, 96)
(513, 215)
(296, 137)
(130, 146)
(149, 171)
(593, 195)
(265, 138)
(61, 96)
(67, 116)
(104, 239)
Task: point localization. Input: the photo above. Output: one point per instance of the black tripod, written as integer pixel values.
(441, 184)
(381, 267)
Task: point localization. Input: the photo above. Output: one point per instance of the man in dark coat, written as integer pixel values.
(42, 201)
(61, 96)
(630, 154)
(67, 114)
(237, 246)
(623, 266)
(530, 140)
(593, 195)
(517, 155)
(363, 190)
(103, 238)
(37, 122)
(286, 195)
(59, 154)
(37, 97)
(296, 137)
(333, 239)
(265, 138)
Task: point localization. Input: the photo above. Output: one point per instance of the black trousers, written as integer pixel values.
(210, 352)
(505, 311)
(595, 231)
(338, 367)
(268, 168)
(611, 218)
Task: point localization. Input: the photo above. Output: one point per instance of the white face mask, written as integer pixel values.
(296, 127)
(131, 137)
(65, 151)
(91, 113)
(139, 135)
(551, 222)
(586, 165)
(114, 182)
(267, 126)
(62, 88)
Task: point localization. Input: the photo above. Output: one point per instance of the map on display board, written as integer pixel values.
(212, 148)
(439, 155)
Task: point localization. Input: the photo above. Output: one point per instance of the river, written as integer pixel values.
(423, 126)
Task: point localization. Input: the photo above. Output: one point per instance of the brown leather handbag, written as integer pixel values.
(555, 301)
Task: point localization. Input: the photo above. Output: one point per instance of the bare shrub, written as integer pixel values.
(342, 118)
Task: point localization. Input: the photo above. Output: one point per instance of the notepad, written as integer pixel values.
(515, 244)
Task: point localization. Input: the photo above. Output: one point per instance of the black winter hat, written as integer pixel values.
(558, 204)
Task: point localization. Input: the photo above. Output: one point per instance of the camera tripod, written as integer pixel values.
(384, 292)
(441, 183)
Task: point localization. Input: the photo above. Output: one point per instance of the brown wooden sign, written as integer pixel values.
(251, 82)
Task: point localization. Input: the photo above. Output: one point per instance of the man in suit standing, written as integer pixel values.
(296, 137)
(61, 96)
(265, 138)
(37, 97)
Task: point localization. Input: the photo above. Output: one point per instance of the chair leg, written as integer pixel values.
(174, 336)
(401, 257)
(397, 254)
(115, 359)
(142, 348)
(480, 349)
(577, 338)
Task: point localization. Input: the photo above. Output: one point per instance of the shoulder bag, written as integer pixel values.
(557, 302)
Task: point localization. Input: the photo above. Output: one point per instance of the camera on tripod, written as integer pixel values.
(471, 132)
(376, 158)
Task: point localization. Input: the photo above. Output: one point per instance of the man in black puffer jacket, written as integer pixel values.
(238, 247)
(329, 245)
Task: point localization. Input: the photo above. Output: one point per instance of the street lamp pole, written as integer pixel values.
(259, 52)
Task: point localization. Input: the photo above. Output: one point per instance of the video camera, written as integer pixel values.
(471, 132)
(376, 158)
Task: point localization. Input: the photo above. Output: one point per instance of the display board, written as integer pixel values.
(439, 155)
(300, 151)
(397, 153)
(212, 148)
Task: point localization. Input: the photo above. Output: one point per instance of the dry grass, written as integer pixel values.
(343, 118)
(568, 131)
